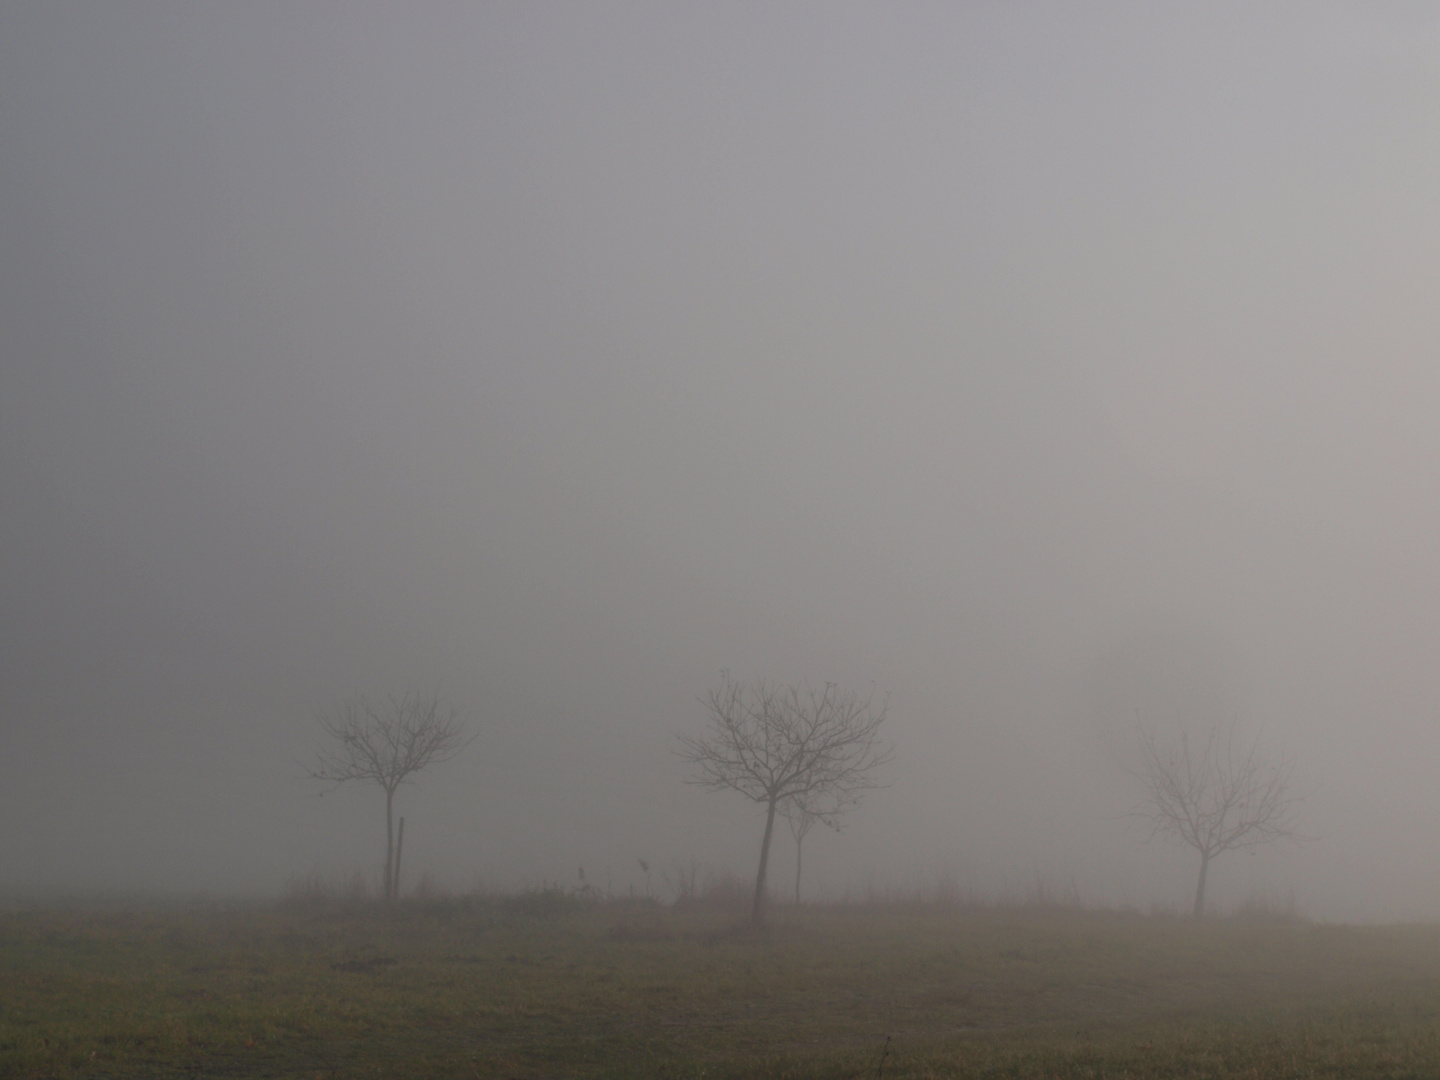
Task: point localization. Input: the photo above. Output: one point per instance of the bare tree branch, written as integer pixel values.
(1219, 797)
(790, 746)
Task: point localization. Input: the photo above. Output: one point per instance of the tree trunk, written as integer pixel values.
(799, 843)
(399, 850)
(1200, 885)
(757, 910)
(389, 842)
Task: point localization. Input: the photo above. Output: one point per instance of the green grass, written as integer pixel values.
(544, 986)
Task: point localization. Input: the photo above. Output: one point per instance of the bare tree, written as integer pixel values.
(801, 820)
(387, 744)
(785, 744)
(1215, 798)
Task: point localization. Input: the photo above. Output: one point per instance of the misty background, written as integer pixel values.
(1045, 368)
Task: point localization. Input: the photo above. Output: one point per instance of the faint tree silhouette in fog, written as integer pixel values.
(386, 745)
(787, 745)
(1216, 797)
(801, 820)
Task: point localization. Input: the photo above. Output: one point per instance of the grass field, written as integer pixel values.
(544, 985)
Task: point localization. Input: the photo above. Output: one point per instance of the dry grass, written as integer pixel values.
(545, 984)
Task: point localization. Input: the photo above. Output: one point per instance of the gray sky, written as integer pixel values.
(1041, 366)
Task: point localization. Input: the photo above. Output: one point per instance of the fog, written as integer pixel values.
(1046, 369)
